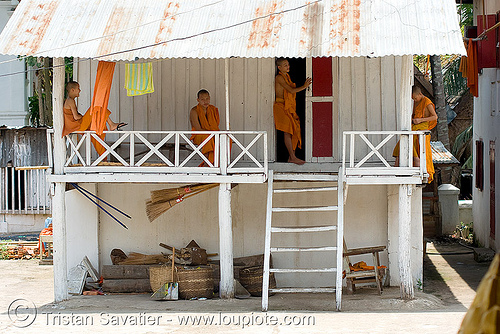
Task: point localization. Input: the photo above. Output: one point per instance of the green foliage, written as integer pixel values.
(33, 111)
(4, 255)
(466, 13)
(466, 232)
(454, 83)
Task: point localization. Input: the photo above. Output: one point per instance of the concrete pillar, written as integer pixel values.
(226, 285)
(58, 199)
(448, 199)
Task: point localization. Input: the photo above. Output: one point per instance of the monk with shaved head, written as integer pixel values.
(284, 109)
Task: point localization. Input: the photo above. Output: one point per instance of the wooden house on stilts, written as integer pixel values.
(359, 55)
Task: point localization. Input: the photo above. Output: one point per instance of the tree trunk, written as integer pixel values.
(439, 100)
(38, 91)
(47, 85)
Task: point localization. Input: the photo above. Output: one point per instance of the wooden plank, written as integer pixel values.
(126, 285)
(303, 270)
(303, 249)
(304, 290)
(366, 250)
(125, 271)
(306, 208)
(304, 229)
(298, 190)
(388, 98)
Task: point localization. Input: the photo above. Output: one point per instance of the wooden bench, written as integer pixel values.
(363, 276)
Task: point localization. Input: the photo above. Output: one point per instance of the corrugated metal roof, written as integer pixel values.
(131, 29)
(440, 155)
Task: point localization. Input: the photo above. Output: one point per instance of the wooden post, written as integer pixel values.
(226, 286)
(405, 190)
(58, 200)
(226, 84)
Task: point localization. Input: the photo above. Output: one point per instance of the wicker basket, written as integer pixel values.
(251, 279)
(159, 275)
(195, 283)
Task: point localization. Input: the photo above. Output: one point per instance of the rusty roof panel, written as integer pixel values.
(440, 155)
(130, 29)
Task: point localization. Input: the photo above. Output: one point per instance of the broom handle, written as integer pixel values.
(198, 192)
(100, 199)
(173, 263)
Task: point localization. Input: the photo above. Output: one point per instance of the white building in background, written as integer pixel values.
(13, 88)
(486, 210)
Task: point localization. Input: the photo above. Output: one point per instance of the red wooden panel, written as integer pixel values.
(486, 49)
(322, 129)
(322, 76)
(479, 164)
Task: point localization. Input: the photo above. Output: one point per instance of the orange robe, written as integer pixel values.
(419, 112)
(82, 124)
(208, 122)
(285, 115)
(102, 88)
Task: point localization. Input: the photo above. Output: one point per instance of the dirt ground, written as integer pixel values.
(451, 277)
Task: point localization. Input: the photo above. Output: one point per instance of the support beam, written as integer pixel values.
(226, 286)
(405, 190)
(404, 245)
(58, 200)
(226, 84)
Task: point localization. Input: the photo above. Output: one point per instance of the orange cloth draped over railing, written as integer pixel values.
(420, 113)
(102, 88)
(285, 115)
(82, 124)
(209, 122)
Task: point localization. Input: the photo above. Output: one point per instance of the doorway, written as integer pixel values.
(298, 76)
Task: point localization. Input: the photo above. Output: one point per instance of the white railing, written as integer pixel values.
(361, 153)
(24, 190)
(166, 152)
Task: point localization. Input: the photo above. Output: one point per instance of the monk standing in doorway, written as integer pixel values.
(284, 109)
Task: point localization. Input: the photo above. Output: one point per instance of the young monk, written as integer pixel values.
(424, 117)
(204, 117)
(74, 121)
(284, 109)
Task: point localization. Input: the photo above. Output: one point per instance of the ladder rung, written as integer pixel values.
(307, 270)
(299, 190)
(307, 208)
(305, 177)
(304, 229)
(296, 290)
(303, 249)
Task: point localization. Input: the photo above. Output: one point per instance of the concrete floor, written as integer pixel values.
(451, 277)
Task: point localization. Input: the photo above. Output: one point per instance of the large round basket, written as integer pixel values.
(195, 283)
(159, 275)
(251, 279)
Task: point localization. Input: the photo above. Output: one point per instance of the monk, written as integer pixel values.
(284, 109)
(424, 117)
(204, 117)
(74, 121)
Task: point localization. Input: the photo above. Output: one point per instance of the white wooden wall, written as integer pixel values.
(366, 91)
(176, 83)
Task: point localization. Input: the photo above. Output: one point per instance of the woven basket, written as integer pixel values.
(159, 275)
(251, 279)
(195, 283)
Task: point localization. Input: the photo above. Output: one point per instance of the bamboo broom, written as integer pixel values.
(173, 193)
(156, 209)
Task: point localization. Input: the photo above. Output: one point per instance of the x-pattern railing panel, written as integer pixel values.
(245, 150)
(184, 156)
(350, 150)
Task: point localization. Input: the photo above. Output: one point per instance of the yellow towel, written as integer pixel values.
(139, 79)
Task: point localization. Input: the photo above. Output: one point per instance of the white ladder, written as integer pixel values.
(270, 229)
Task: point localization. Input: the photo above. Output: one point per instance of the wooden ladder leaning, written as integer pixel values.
(337, 248)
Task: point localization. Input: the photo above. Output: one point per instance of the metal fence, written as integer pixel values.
(25, 190)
